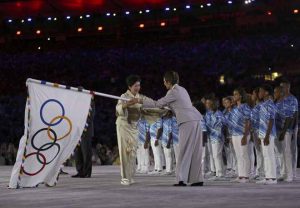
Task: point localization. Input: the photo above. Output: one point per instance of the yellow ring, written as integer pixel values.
(52, 121)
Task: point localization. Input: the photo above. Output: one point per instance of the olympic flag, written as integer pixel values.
(55, 119)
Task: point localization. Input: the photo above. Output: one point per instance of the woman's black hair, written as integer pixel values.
(172, 77)
(243, 94)
(132, 79)
(267, 88)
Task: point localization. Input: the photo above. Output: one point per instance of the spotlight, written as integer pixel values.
(141, 25)
(114, 14)
(81, 17)
(18, 32)
(208, 4)
(68, 17)
(108, 14)
(229, 2)
(167, 9)
(39, 48)
(49, 18)
(127, 12)
(55, 19)
(49, 38)
(141, 12)
(29, 19)
(187, 6)
(269, 13)
(162, 24)
(174, 9)
(202, 6)
(38, 32)
(9, 20)
(22, 21)
(147, 11)
(296, 11)
(87, 16)
(100, 28)
(79, 29)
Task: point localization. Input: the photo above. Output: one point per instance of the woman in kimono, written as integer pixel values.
(189, 168)
(128, 115)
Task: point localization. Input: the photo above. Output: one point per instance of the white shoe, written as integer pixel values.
(289, 180)
(125, 182)
(244, 180)
(263, 181)
(237, 180)
(168, 173)
(214, 178)
(270, 182)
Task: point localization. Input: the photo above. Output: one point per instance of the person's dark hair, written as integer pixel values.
(229, 98)
(285, 81)
(280, 88)
(243, 94)
(132, 79)
(267, 88)
(215, 103)
(256, 90)
(172, 77)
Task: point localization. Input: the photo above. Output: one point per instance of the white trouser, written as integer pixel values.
(259, 157)
(294, 146)
(169, 159)
(157, 153)
(269, 158)
(251, 157)
(217, 149)
(242, 155)
(285, 156)
(139, 157)
(176, 151)
(210, 155)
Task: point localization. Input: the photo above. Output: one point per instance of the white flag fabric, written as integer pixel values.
(55, 120)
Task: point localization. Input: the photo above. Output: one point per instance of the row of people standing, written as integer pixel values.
(267, 125)
(158, 129)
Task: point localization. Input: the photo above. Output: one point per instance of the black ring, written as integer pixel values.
(41, 149)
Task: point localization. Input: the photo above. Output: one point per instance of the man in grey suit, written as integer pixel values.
(189, 168)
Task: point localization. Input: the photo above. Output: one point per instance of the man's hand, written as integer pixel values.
(146, 145)
(244, 140)
(281, 136)
(267, 141)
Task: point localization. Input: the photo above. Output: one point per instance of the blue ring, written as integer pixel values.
(41, 112)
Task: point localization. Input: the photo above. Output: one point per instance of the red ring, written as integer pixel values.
(44, 163)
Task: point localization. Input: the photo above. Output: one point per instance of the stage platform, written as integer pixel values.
(104, 190)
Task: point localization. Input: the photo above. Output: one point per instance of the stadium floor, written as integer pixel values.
(104, 190)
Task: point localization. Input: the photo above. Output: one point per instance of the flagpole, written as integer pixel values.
(50, 84)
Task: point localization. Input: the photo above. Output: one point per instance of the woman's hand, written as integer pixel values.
(130, 102)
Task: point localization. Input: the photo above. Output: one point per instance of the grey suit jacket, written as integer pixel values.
(180, 103)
